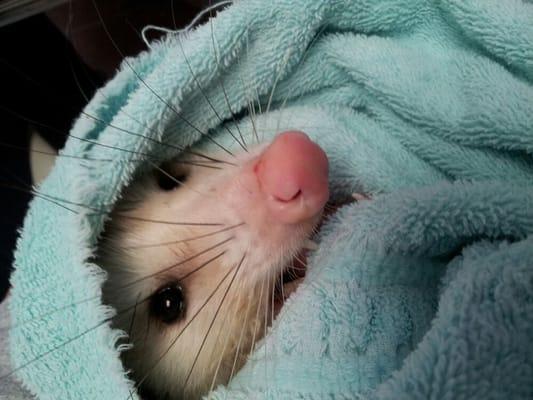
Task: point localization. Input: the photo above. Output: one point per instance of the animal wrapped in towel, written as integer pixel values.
(423, 291)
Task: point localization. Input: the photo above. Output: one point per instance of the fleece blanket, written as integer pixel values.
(423, 292)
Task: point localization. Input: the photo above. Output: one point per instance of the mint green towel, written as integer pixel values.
(424, 292)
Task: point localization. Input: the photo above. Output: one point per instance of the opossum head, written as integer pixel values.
(207, 244)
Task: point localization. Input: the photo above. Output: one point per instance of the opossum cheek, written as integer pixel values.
(292, 175)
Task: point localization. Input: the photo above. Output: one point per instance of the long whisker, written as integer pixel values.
(273, 295)
(165, 222)
(184, 240)
(200, 267)
(131, 283)
(173, 14)
(234, 366)
(166, 103)
(98, 120)
(300, 62)
(278, 77)
(100, 211)
(36, 194)
(265, 324)
(282, 289)
(257, 314)
(92, 328)
(251, 110)
(65, 343)
(251, 113)
(53, 202)
(197, 164)
(221, 83)
(197, 81)
(54, 154)
(70, 135)
(134, 282)
(174, 341)
(180, 182)
(93, 142)
(133, 316)
(150, 139)
(299, 260)
(122, 111)
(229, 332)
(213, 320)
(147, 332)
(102, 323)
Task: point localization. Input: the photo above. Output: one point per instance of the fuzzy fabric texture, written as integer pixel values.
(10, 388)
(423, 292)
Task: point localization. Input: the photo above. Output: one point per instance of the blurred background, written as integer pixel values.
(54, 55)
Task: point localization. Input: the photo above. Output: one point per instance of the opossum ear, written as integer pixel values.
(167, 304)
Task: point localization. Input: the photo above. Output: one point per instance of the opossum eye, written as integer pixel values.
(170, 178)
(168, 303)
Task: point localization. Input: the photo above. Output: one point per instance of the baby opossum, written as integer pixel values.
(206, 245)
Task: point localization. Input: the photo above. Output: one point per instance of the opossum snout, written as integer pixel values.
(292, 175)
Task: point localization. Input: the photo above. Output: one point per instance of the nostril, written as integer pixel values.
(288, 199)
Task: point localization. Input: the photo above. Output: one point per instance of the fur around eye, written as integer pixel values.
(168, 180)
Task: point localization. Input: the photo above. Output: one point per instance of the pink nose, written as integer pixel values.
(293, 174)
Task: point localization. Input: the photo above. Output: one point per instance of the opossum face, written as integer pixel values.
(207, 244)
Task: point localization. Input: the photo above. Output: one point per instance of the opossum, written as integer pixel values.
(207, 290)
(208, 279)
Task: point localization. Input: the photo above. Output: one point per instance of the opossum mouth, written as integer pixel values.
(295, 271)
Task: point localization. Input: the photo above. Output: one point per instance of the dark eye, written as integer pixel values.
(168, 303)
(168, 180)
